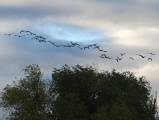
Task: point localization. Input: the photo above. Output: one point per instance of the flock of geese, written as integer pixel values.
(41, 39)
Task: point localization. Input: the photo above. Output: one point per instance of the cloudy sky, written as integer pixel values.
(125, 26)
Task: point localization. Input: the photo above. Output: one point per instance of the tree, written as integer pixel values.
(87, 94)
(79, 93)
(27, 98)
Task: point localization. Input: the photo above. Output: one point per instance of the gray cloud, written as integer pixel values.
(34, 12)
(133, 14)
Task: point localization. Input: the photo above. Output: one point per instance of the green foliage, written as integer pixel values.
(79, 93)
(26, 99)
(102, 95)
(114, 112)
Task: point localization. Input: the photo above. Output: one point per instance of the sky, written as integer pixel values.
(123, 26)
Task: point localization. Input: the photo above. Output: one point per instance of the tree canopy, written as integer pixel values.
(79, 93)
(26, 99)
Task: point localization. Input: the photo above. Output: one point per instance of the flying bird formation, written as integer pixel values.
(41, 39)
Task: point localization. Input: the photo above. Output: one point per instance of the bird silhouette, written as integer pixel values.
(67, 45)
(94, 44)
(86, 47)
(22, 31)
(104, 56)
(90, 45)
(57, 45)
(9, 34)
(19, 35)
(122, 54)
(119, 58)
(100, 50)
(130, 58)
(80, 48)
(26, 31)
(141, 56)
(105, 51)
(151, 53)
(150, 59)
(42, 41)
(97, 47)
(74, 44)
(31, 33)
(53, 43)
(109, 58)
(39, 38)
